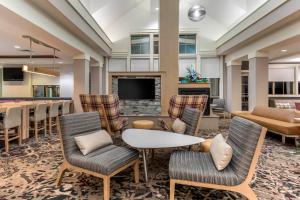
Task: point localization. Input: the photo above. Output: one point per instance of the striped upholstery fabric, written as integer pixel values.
(190, 117)
(111, 103)
(243, 138)
(104, 160)
(179, 102)
(199, 167)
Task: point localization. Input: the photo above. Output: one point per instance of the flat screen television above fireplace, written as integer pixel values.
(136, 88)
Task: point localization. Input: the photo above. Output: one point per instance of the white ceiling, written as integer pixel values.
(119, 18)
(13, 27)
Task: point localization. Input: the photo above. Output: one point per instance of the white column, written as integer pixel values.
(258, 80)
(151, 68)
(234, 87)
(96, 79)
(221, 85)
(81, 79)
(105, 77)
(66, 81)
(296, 79)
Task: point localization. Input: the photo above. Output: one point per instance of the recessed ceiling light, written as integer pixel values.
(283, 50)
(17, 47)
(60, 62)
(157, 8)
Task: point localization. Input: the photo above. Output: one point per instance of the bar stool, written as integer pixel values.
(66, 108)
(53, 116)
(39, 120)
(11, 126)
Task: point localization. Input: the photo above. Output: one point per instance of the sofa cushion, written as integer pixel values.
(284, 115)
(221, 152)
(90, 142)
(105, 160)
(199, 167)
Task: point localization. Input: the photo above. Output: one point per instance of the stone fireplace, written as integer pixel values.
(139, 107)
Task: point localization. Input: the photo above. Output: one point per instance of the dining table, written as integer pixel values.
(27, 108)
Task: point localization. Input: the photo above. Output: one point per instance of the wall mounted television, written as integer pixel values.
(13, 74)
(136, 88)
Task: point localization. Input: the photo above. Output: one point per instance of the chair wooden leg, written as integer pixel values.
(56, 122)
(6, 140)
(36, 131)
(106, 188)
(172, 189)
(247, 192)
(20, 135)
(45, 127)
(61, 173)
(50, 126)
(136, 168)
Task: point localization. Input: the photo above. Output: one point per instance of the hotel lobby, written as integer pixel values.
(150, 99)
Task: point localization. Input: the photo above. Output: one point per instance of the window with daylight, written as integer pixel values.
(156, 44)
(187, 43)
(140, 44)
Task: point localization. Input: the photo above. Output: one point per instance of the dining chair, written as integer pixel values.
(39, 119)
(11, 126)
(66, 107)
(53, 116)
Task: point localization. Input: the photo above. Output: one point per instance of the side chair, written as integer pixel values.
(197, 169)
(104, 163)
(11, 126)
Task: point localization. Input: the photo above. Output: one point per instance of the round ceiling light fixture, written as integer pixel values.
(196, 13)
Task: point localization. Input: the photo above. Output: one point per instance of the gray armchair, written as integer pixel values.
(197, 169)
(218, 107)
(103, 163)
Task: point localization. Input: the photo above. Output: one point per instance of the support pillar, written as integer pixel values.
(168, 49)
(234, 87)
(81, 79)
(258, 81)
(96, 79)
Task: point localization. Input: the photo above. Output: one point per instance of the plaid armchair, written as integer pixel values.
(188, 108)
(108, 106)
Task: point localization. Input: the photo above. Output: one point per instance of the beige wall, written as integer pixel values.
(24, 88)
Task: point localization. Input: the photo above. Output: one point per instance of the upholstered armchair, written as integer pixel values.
(108, 106)
(189, 109)
(197, 169)
(104, 162)
(218, 107)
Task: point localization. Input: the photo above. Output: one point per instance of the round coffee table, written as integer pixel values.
(154, 139)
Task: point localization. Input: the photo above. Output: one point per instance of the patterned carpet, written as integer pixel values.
(30, 172)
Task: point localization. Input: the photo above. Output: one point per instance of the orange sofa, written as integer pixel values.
(280, 121)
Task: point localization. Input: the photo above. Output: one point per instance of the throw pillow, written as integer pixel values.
(90, 142)
(178, 126)
(221, 152)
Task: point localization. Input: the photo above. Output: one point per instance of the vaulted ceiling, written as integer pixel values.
(119, 18)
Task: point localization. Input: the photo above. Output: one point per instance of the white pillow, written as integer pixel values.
(93, 141)
(178, 126)
(221, 152)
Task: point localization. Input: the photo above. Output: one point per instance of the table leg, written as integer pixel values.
(145, 165)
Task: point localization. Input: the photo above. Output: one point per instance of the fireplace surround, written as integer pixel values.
(139, 107)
